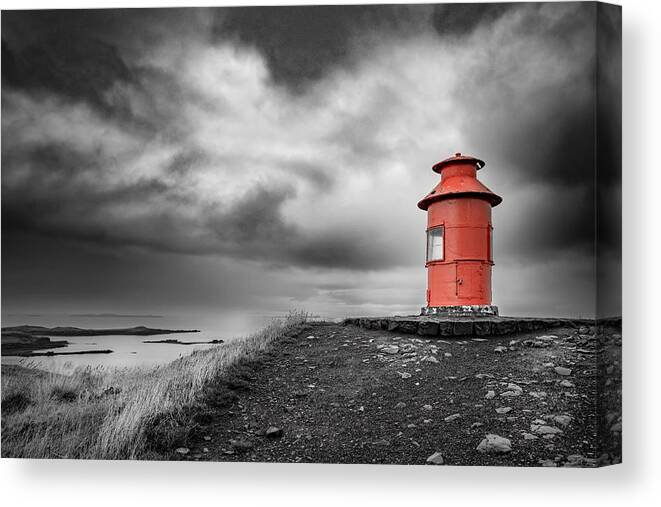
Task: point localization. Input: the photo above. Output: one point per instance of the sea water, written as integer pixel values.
(128, 351)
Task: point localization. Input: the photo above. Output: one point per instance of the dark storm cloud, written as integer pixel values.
(302, 136)
(459, 19)
(530, 110)
(48, 201)
(255, 223)
(319, 174)
(545, 132)
(302, 43)
(562, 220)
(130, 30)
(90, 55)
(75, 56)
(70, 65)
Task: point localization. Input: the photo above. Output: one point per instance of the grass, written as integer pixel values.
(117, 414)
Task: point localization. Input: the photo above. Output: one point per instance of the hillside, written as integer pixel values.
(343, 394)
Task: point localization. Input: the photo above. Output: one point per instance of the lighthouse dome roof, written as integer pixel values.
(459, 183)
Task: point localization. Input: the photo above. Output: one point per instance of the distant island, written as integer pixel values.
(24, 340)
(17, 343)
(78, 331)
(179, 342)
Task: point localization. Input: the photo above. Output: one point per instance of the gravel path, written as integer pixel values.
(343, 394)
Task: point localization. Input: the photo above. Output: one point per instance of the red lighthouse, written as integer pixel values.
(459, 240)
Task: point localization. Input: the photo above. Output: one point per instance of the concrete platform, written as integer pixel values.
(465, 326)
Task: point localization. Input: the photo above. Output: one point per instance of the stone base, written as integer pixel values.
(462, 325)
(460, 311)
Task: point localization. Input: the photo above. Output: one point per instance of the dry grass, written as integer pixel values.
(100, 414)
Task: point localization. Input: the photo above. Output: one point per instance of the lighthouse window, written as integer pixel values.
(435, 244)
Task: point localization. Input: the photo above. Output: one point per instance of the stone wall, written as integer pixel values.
(465, 326)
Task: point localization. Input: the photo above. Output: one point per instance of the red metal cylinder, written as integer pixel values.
(459, 235)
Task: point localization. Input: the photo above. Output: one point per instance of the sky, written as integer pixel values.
(162, 161)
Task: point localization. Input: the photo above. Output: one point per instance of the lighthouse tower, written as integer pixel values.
(459, 240)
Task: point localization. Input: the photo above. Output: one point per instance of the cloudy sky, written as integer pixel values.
(268, 159)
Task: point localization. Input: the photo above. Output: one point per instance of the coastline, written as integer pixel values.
(112, 414)
(25, 340)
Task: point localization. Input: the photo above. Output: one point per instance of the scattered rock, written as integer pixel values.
(436, 459)
(529, 436)
(537, 343)
(548, 463)
(391, 349)
(561, 370)
(430, 359)
(447, 354)
(452, 417)
(563, 420)
(512, 390)
(404, 374)
(495, 444)
(500, 349)
(273, 432)
(567, 383)
(427, 407)
(503, 410)
(182, 450)
(400, 405)
(544, 429)
(476, 425)
(490, 395)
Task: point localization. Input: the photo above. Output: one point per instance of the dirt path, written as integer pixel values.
(342, 394)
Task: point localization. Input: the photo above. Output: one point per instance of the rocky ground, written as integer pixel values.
(342, 394)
